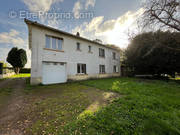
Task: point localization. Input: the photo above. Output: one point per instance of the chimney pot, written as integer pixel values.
(78, 34)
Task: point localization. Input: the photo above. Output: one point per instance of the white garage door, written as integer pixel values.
(53, 73)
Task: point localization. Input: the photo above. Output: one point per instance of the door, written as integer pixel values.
(53, 73)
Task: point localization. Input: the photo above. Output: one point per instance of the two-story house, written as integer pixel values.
(58, 56)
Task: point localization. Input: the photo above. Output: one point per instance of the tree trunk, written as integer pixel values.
(17, 69)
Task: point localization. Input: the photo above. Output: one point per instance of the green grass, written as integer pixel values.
(146, 107)
(61, 104)
(20, 75)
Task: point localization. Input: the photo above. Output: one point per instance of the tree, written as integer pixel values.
(165, 13)
(149, 53)
(17, 58)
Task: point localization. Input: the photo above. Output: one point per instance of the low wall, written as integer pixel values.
(6, 75)
(96, 76)
(38, 80)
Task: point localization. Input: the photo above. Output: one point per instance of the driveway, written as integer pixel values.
(26, 109)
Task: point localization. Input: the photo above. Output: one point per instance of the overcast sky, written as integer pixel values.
(108, 20)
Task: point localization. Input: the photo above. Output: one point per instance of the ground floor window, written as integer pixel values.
(102, 69)
(81, 68)
(115, 69)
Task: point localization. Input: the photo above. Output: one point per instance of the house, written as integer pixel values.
(58, 56)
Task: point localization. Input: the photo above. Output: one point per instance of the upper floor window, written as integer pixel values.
(90, 48)
(102, 69)
(101, 52)
(81, 68)
(48, 42)
(59, 44)
(114, 55)
(53, 43)
(78, 46)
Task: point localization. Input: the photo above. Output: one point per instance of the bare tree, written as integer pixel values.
(162, 13)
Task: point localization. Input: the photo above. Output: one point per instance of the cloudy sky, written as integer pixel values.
(108, 20)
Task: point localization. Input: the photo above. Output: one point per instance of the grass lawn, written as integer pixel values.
(20, 75)
(147, 107)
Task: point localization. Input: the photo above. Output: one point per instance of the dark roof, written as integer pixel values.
(65, 33)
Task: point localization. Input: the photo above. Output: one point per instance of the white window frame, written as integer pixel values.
(51, 43)
(89, 48)
(101, 52)
(53, 38)
(114, 56)
(101, 69)
(81, 66)
(117, 70)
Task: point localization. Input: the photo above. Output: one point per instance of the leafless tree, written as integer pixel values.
(162, 13)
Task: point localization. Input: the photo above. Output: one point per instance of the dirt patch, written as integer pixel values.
(99, 99)
(7, 83)
(13, 111)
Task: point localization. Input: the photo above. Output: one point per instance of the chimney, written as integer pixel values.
(78, 34)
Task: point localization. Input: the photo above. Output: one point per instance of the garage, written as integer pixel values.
(54, 72)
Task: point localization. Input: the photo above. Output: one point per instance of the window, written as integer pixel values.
(48, 45)
(115, 69)
(114, 55)
(78, 46)
(89, 48)
(59, 44)
(101, 52)
(81, 68)
(53, 43)
(102, 69)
